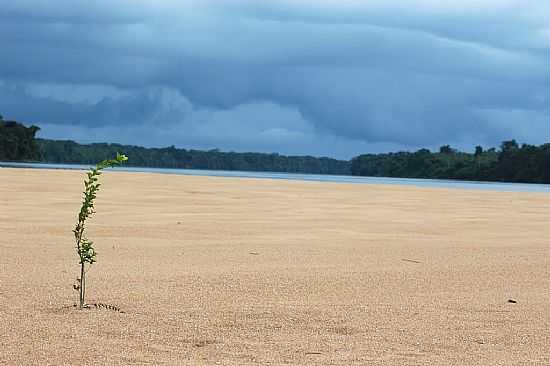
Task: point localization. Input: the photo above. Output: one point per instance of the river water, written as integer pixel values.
(489, 186)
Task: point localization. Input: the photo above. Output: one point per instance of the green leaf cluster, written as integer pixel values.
(84, 246)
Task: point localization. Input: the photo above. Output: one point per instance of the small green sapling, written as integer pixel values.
(84, 246)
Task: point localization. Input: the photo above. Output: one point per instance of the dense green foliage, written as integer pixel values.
(17, 142)
(84, 246)
(511, 163)
(425, 164)
(171, 157)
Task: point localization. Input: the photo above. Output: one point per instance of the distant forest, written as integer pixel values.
(18, 142)
(511, 162)
(53, 151)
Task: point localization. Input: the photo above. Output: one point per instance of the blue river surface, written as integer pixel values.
(489, 186)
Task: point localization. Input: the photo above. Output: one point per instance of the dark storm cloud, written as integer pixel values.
(325, 77)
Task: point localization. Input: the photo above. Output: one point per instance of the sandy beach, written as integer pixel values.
(256, 272)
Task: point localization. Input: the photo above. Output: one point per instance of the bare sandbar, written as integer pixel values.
(238, 271)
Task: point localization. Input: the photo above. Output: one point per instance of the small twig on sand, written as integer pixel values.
(410, 260)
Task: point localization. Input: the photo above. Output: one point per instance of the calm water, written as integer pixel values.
(505, 187)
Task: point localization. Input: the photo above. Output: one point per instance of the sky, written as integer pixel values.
(327, 77)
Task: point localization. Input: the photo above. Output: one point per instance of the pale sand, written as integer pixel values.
(236, 271)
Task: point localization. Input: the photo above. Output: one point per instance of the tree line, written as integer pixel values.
(511, 162)
(54, 151)
(18, 142)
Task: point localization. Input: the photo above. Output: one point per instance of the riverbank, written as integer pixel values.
(251, 271)
(327, 178)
